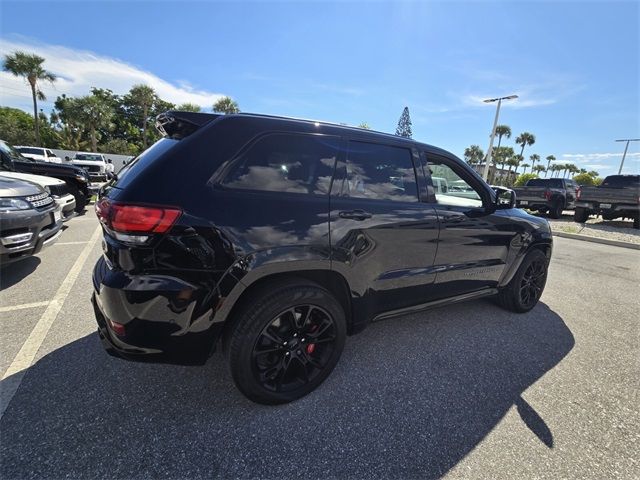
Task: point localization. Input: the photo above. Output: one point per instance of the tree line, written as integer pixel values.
(101, 121)
(505, 157)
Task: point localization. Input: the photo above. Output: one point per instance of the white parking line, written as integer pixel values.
(23, 306)
(69, 243)
(15, 373)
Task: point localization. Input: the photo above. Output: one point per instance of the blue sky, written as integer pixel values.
(575, 65)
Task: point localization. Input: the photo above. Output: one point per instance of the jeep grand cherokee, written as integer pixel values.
(279, 237)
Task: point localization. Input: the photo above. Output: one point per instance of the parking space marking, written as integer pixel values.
(12, 378)
(70, 243)
(23, 306)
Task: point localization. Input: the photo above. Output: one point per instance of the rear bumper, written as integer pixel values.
(163, 317)
(612, 208)
(532, 203)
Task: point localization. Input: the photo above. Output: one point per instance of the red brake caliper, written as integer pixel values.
(312, 346)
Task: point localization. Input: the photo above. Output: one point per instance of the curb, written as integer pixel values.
(587, 238)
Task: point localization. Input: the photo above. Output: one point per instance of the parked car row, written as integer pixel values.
(617, 197)
(36, 197)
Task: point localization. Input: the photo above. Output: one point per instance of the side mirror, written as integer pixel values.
(505, 198)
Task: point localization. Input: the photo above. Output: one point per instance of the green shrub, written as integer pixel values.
(524, 178)
(584, 179)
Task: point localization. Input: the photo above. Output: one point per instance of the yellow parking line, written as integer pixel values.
(23, 306)
(12, 378)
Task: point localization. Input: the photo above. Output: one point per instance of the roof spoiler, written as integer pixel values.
(177, 125)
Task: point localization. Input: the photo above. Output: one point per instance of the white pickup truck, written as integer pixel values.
(38, 153)
(96, 166)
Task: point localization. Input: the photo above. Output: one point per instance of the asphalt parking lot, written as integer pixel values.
(469, 391)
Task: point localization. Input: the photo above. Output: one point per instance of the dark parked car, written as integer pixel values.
(617, 197)
(552, 195)
(76, 178)
(29, 219)
(280, 237)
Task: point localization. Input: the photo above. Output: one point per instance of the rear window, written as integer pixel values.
(545, 182)
(142, 161)
(286, 163)
(622, 181)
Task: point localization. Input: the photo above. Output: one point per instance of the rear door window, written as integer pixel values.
(379, 172)
(292, 163)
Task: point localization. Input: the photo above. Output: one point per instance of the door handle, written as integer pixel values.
(354, 214)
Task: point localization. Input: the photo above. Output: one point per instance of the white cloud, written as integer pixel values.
(79, 70)
(583, 157)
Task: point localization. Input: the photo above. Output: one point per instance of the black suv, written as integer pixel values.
(280, 237)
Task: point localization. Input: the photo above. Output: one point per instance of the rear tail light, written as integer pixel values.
(123, 219)
(578, 193)
(547, 194)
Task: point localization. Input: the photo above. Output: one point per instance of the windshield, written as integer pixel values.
(12, 154)
(88, 156)
(31, 150)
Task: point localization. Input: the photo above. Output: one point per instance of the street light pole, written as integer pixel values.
(485, 173)
(626, 147)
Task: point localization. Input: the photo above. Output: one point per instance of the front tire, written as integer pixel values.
(526, 287)
(286, 342)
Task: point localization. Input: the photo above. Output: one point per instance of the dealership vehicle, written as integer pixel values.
(29, 219)
(618, 196)
(76, 178)
(552, 195)
(280, 237)
(38, 153)
(55, 187)
(96, 166)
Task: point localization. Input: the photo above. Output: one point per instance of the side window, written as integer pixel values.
(286, 163)
(379, 172)
(450, 188)
(50, 153)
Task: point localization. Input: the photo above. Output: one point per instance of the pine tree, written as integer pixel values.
(404, 124)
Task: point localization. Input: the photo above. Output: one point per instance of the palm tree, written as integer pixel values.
(538, 168)
(524, 139)
(550, 158)
(594, 173)
(518, 159)
(503, 131)
(93, 113)
(226, 105)
(534, 158)
(473, 155)
(144, 97)
(189, 107)
(525, 166)
(28, 66)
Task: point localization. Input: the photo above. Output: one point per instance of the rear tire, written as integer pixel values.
(286, 342)
(581, 215)
(526, 287)
(556, 209)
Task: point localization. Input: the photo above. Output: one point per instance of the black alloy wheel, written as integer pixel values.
(286, 341)
(294, 348)
(526, 287)
(532, 283)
